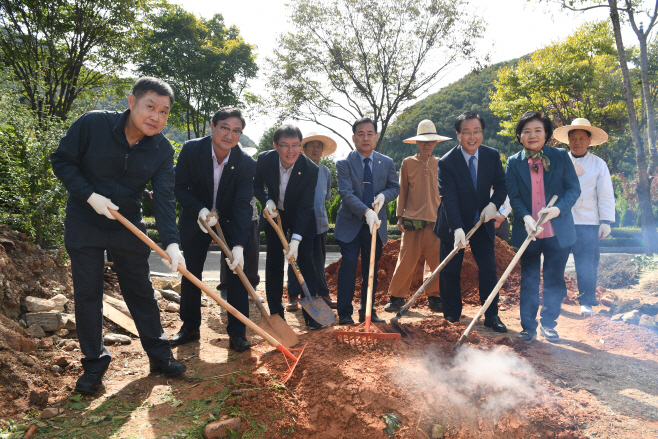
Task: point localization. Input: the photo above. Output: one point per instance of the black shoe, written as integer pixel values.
(527, 336)
(330, 303)
(90, 381)
(394, 304)
(168, 367)
(312, 325)
(373, 317)
(495, 324)
(435, 304)
(345, 319)
(221, 287)
(238, 342)
(183, 336)
(450, 319)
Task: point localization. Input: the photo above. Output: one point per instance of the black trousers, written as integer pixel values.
(319, 260)
(251, 259)
(483, 251)
(586, 255)
(195, 251)
(86, 247)
(275, 264)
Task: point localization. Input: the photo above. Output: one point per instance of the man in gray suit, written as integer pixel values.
(365, 178)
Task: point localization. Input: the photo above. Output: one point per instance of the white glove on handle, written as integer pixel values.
(460, 238)
(604, 230)
(176, 257)
(101, 205)
(531, 226)
(372, 218)
(489, 212)
(551, 212)
(238, 258)
(210, 220)
(270, 206)
(379, 199)
(293, 249)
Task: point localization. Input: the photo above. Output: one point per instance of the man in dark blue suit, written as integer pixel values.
(213, 175)
(466, 175)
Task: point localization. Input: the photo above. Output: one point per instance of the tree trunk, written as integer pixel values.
(643, 188)
(648, 106)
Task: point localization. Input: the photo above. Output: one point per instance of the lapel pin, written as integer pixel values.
(232, 167)
(299, 173)
(380, 162)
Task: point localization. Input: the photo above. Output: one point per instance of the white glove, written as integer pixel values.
(460, 238)
(379, 199)
(551, 212)
(489, 212)
(604, 230)
(293, 249)
(238, 258)
(102, 204)
(270, 206)
(176, 257)
(203, 215)
(372, 218)
(531, 226)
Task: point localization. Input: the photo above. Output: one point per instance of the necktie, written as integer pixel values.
(368, 190)
(474, 177)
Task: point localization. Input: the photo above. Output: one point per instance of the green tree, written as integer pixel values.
(347, 58)
(578, 77)
(60, 50)
(206, 63)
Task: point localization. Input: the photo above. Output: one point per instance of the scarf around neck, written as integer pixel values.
(546, 163)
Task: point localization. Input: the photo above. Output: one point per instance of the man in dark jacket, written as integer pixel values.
(285, 185)
(467, 173)
(105, 161)
(214, 174)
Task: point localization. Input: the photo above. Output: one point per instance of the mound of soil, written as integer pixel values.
(617, 271)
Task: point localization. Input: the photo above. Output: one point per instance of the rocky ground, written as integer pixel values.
(599, 380)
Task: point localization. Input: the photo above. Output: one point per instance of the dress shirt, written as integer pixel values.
(363, 164)
(218, 169)
(539, 197)
(596, 203)
(419, 189)
(284, 177)
(468, 156)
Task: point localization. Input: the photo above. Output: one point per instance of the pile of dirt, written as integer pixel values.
(617, 271)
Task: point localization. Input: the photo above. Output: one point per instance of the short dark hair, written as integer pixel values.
(534, 115)
(363, 120)
(146, 84)
(226, 112)
(465, 116)
(287, 130)
(578, 129)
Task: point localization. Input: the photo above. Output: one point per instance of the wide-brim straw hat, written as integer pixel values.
(329, 143)
(249, 149)
(598, 135)
(426, 133)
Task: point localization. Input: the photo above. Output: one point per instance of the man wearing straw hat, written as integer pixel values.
(316, 146)
(466, 175)
(595, 209)
(417, 205)
(213, 174)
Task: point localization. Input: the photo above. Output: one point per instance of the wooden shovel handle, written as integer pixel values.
(371, 270)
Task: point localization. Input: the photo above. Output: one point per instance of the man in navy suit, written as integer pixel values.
(213, 175)
(466, 175)
(285, 185)
(365, 178)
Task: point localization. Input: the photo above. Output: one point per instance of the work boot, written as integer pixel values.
(90, 381)
(168, 367)
(331, 303)
(435, 304)
(394, 304)
(293, 303)
(238, 342)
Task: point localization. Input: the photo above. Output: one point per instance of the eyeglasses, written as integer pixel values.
(294, 147)
(225, 130)
(469, 134)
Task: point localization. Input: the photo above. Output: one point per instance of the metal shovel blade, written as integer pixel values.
(317, 309)
(279, 329)
(396, 325)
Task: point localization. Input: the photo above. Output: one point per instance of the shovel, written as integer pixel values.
(437, 270)
(503, 278)
(273, 325)
(290, 358)
(314, 306)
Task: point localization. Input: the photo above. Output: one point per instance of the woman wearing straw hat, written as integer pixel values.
(417, 205)
(534, 175)
(316, 146)
(595, 209)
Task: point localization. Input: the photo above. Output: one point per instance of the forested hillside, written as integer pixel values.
(472, 92)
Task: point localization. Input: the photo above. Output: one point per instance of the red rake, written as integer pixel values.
(362, 332)
(291, 360)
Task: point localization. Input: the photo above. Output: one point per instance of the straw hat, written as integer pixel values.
(249, 149)
(598, 135)
(329, 143)
(426, 133)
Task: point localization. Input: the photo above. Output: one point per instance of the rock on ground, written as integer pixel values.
(632, 317)
(47, 320)
(647, 321)
(218, 429)
(36, 331)
(117, 338)
(36, 304)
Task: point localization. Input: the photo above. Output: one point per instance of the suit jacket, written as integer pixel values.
(195, 186)
(460, 200)
(351, 213)
(300, 192)
(561, 180)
